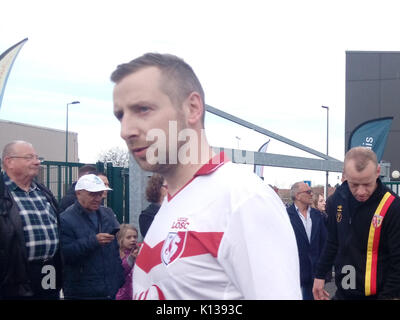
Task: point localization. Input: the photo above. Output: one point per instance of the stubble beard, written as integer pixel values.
(162, 168)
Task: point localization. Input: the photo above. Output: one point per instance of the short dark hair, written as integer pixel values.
(179, 79)
(153, 189)
(86, 169)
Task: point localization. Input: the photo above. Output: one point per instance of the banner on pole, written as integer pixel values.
(259, 170)
(371, 134)
(7, 59)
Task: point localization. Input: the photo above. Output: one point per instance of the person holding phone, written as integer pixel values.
(128, 250)
(93, 268)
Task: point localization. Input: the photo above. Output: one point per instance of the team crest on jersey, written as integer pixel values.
(173, 247)
(377, 221)
(175, 242)
(339, 213)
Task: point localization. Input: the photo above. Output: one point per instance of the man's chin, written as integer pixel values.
(146, 166)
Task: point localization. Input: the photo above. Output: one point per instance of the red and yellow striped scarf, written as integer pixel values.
(373, 244)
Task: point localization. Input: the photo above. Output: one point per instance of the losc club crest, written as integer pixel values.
(377, 221)
(173, 246)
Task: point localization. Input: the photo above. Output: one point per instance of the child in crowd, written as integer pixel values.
(128, 250)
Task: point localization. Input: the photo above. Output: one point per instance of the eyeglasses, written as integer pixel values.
(29, 157)
(307, 191)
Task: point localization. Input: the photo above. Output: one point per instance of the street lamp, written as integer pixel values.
(66, 132)
(327, 148)
(238, 140)
(66, 147)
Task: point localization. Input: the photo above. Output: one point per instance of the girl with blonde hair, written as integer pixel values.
(128, 250)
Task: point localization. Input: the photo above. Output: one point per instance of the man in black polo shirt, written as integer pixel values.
(30, 261)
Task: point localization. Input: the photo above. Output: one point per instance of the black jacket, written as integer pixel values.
(14, 280)
(147, 216)
(92, 271)
(349, 224)
(68, 199)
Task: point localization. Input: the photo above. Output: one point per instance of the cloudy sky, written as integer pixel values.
(273, 63)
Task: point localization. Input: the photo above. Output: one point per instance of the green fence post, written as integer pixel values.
(59, 183)
(69, 176)
(48, 176)
(100, 166)
(126, 195)
(114, 175)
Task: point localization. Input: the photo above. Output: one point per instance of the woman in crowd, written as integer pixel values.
(156, 190)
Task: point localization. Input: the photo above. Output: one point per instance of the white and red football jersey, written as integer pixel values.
(224, 235)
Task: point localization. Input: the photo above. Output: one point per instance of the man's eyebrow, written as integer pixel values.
(140, 104)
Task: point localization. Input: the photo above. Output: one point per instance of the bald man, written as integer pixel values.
(30, 260)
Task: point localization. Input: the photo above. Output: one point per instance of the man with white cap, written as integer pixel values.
(93, 267)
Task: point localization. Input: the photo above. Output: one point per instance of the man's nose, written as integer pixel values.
(361, 190)
(129, 128)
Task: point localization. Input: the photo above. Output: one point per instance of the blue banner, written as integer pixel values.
(371, 134)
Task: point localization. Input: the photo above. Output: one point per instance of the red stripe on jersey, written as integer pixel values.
(149, 257)
(197, 243)
(213, 164)
(202, 242)
(160, 293)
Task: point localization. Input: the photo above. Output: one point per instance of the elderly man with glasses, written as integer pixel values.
(309, 228)
(93, 267)
(30, 259)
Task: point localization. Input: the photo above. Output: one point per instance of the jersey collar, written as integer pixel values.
(211, 166)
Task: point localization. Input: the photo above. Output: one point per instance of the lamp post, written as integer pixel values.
(327, 148)
(66, 132)
(66, 147)
(238, 140)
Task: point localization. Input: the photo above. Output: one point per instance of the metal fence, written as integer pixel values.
(59, 176)
(394, 186)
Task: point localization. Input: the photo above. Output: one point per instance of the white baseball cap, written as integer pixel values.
(91, 183)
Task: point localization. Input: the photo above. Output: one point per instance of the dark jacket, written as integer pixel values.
(68, 199)
(349, 224)
(92, 271)
(14, 279)
(309, 251)
(146, 217)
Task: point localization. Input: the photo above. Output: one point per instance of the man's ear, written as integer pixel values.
(6, 162)
(194, 108)
(378, 171)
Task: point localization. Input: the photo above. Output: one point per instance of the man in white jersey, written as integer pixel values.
(221, 233)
